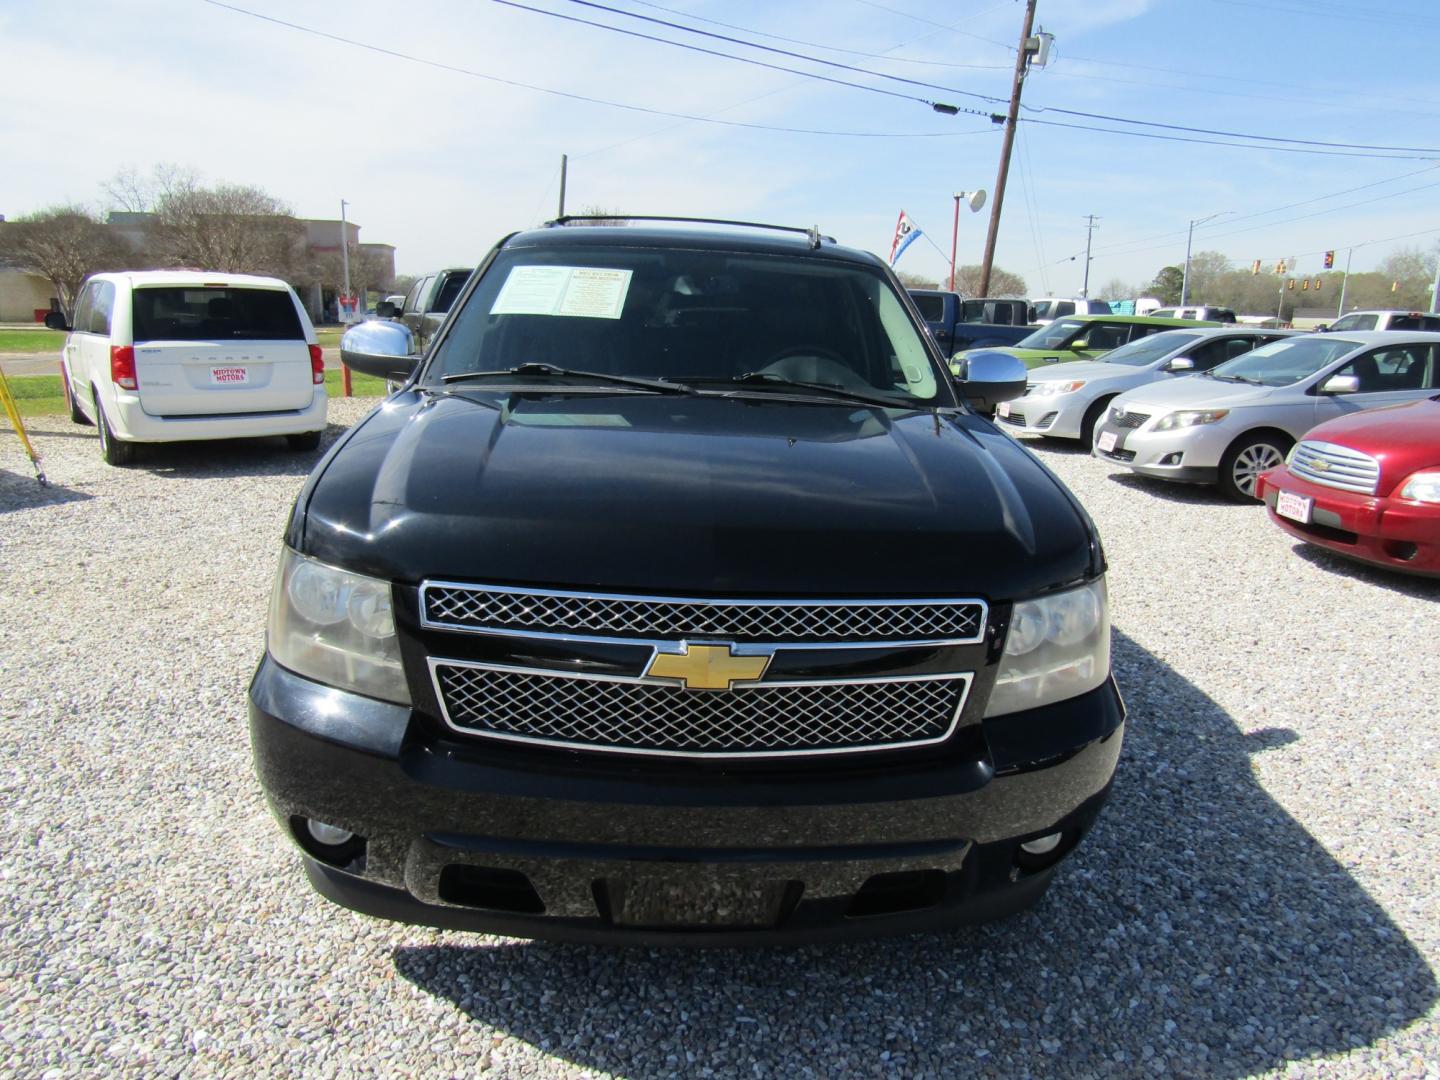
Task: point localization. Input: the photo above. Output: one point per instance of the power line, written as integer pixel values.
(1218, 142)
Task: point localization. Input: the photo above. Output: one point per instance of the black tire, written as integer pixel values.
(304, 442)
(76, 415)
(1246, 459)
(1092, 418)
(114, 451)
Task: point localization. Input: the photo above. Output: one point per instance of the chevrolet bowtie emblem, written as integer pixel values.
(707, 667)
(1320, 466)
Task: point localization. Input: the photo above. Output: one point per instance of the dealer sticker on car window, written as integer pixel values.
(229, 376)
(1295, 507)
(591, 292)
(1106, 442)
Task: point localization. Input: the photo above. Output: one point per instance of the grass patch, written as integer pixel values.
(41, 395)
(360, 385)
(31, 341)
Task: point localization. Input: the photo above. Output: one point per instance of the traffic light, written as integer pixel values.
(1280, 267)
(1317, 283)
(1304, 284)
(1290, 284)
(1329, 260)
(1255, 267)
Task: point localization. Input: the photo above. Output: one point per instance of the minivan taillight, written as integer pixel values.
(122, 367)
(317, 364)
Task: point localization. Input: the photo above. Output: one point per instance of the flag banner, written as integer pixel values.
(905, 233)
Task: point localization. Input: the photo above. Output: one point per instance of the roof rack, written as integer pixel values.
(813, 233)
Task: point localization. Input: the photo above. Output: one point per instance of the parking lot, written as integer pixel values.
(1259, 897)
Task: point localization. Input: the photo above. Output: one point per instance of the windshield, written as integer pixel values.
(1148, 349)
(1284, 362)
(696, 317)
(1054, 336)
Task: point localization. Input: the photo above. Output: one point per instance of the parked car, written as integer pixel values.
(681, 596)
(1202, 312)
(1366, 486)
(1241, 418)
(1385, 320)
(1082, 337)
(1066, 401)
(427, 303)
(1049, 308)
(175, 356)
(957, 323)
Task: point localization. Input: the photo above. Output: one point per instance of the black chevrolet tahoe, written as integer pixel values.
(682, 595)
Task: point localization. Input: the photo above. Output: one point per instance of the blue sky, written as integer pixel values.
(442, 163)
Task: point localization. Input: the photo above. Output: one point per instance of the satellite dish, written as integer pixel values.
(976, 199)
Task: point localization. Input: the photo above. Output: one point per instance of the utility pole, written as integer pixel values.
(1090, 220)
(564, 166)
(344, 248)
(1343, 282)
(1022, 61)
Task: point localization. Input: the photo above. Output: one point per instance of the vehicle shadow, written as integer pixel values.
(21, 491)
(1200, 930)
(1422, 588)
(232, 457)
(1189, 494)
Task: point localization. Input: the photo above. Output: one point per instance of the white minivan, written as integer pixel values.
(171, 356)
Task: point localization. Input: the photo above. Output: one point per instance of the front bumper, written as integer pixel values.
(1392, 533)
(1056, 415)
(1185, 455)
(468, 834)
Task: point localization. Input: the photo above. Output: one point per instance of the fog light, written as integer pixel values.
(334, 836)
(1043, 846)
(1171, 459)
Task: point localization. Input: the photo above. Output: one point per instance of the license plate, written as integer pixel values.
(229, 376)
(1295, 507)
(1106, 442)
(1003, 408)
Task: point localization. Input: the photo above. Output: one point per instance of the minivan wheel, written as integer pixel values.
(1245, 461)
(309, 440)
(112, 449)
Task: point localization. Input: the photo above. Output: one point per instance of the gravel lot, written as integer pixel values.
(1260, 896)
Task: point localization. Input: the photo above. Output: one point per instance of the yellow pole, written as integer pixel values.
(7, 399)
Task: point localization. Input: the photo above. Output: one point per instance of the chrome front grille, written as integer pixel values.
(1336, 466)
(483, 608)
(1123, 419)
(640, 717)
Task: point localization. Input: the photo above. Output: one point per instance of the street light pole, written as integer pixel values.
(1190, 236)
(1089, 233)
(954, 240)
(344, 248)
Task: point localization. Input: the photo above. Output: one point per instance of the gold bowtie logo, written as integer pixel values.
(707, 667)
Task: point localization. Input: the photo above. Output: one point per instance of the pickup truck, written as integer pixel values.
(957, 323)
(427, 303)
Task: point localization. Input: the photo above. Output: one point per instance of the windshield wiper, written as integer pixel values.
(1236, 378)
(550, 371)
(769, 378)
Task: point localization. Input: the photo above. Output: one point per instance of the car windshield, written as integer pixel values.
(690, 316)
(1284, 362)
(1148, 349)
(1054, 336)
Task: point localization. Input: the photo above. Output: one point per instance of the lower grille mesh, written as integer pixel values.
(651, 718)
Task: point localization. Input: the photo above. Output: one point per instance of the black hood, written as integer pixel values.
(687, 496)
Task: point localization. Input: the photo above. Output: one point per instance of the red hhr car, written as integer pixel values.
(1366, 486)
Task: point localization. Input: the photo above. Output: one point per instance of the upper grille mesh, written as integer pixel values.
(1123, 419)
(1336, 466)
(480, 608)
(648, 718)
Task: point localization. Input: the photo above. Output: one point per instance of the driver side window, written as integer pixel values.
(1405, 367)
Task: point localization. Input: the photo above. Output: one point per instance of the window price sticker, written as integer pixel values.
(589, 292)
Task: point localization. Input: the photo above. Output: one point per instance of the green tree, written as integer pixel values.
(1167, 284)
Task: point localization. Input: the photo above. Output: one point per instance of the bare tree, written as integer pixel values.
(1002, 282)
(368, 270)
(230, 227)
(1116, 289)
(597, 211)
(65, 244)
(916, 281)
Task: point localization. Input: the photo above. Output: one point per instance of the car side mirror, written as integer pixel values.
(386, 310)
(1323, 328)
(1079, 343)
(55, 320)
(383, 349)
(985, 379)
(1341, 384)
(1181, 363)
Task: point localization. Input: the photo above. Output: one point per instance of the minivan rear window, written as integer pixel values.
(195, 313)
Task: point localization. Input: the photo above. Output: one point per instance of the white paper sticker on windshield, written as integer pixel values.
(583, 291)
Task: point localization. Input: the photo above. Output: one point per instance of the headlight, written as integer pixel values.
(336, 627)
(1423, 487)
(1190, 418)
(1057, 647)
(1047, 388)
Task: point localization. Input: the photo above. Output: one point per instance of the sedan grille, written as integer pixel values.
(1336, 466)
(1014, 419)
(631, 716)
(484, 608)
(1128, 419)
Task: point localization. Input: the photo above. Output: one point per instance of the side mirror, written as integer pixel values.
(382, 349)
(1181, 363)
(1341, 384)
(985, 379)
(55, 320)
(1323, 328)
(1029, 314)
(1079, 343)
(386, 310)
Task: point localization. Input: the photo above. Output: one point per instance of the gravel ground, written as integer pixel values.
(1259, 897)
